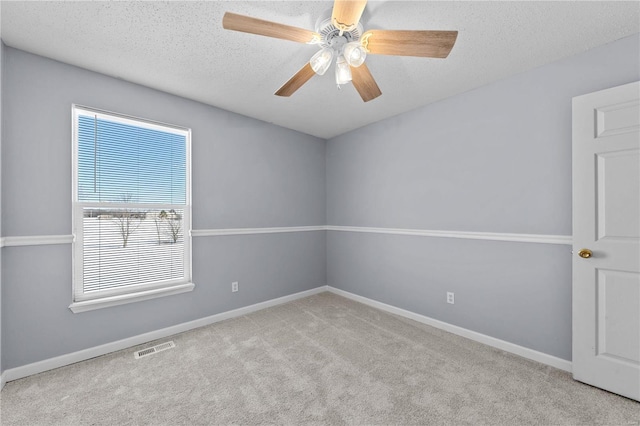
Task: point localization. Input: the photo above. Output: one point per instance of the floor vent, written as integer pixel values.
(154, 349)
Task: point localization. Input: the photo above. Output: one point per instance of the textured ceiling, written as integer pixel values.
(181, 48)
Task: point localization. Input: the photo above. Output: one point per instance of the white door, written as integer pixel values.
(606, 223)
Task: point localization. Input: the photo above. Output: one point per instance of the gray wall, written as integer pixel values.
(496, 159)
(245, 173)
(1, 249)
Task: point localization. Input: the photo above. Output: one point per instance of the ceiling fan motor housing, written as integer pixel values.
(331, 37)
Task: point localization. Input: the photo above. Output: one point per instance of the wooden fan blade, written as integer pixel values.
(346, 13)
(247, 24)
(296, 82)
(429, 44)
(364, 83)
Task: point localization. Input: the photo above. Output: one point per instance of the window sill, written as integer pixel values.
(105, 302)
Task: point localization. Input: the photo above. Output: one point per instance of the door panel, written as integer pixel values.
(606, 220)
(623, 117)
(618, 319)
(618, 201)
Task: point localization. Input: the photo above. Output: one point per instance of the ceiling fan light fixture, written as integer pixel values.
(340, 34)
(343, 71)
(354, 53)
(321, 60)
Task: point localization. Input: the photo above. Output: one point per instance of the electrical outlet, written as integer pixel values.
(450, 298)
(234, 286)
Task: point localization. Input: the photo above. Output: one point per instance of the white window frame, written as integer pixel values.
(81, 301)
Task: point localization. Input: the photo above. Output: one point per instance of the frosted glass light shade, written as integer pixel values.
(321, 60)
(343, 72)
(354, 53)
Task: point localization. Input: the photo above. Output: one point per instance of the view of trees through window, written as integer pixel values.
(131, 182)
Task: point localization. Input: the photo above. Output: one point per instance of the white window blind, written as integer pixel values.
(131, 205)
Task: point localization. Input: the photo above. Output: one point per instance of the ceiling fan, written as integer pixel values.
(340, 35)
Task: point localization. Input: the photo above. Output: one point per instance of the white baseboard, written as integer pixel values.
(67, 359)
(62, 360)
(540, 357)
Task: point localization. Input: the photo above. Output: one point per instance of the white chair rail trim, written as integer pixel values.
(38, 240)
(249, 231)
(492, 236)
(35, 240)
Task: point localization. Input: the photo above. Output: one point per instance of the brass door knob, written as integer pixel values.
(585, 253)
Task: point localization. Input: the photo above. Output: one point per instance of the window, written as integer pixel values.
(131, 209)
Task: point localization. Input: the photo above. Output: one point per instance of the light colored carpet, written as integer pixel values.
(319, 360)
